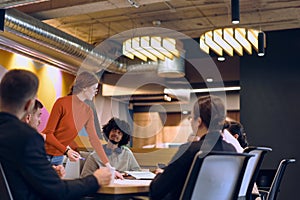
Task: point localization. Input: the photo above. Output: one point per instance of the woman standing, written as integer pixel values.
(68, 116)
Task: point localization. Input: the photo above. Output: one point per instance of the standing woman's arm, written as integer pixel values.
(94, 140)
(51, 126)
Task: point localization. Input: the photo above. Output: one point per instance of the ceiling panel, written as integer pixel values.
(96, 20)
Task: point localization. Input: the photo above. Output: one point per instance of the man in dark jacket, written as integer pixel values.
(22, 153)
(208, 119)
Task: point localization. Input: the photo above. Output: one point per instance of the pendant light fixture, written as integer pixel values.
(235, 11)
(153, 48)
(166, 52)
(261, 43)
(232, 41)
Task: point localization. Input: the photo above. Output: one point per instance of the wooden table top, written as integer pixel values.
(126, 187)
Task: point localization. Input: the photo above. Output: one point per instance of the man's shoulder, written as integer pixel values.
(24, 129)
(228, 146)
(17, 132)
(8, 120)
(192, 145)
(125, 148)
(7, 116)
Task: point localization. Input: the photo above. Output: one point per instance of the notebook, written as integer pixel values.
(141, 174)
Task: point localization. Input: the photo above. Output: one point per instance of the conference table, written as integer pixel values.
(124, 189)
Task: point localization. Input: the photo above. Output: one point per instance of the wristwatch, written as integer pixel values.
(66, 152)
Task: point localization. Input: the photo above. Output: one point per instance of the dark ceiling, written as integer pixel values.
(94, 21)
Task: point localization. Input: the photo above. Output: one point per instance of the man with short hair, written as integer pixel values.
(34, 117)
(22, 153)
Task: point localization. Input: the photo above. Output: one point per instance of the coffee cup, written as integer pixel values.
(112, 171)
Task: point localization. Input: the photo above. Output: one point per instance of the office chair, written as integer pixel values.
(215, 175)
(273, 191)
(252, 170)
(4, 187)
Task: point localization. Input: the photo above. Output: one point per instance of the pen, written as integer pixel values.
(81, 158)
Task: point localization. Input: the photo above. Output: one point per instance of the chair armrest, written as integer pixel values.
(263, 194)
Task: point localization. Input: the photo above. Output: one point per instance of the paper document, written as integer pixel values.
(141, 174)
(131, 182)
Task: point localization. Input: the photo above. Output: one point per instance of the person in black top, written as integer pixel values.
(22, 154)
(207, 122)
(237, 130)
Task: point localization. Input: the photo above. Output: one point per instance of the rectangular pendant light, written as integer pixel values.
(261, 44)
(235, 11)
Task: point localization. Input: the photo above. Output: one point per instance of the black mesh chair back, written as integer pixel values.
(272, 194)
(5, 193)
(215, 175)
(252, 170)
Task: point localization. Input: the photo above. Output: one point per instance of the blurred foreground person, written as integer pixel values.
(208, 118)
(22, 153)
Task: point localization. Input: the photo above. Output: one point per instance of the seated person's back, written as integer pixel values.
(208, 119)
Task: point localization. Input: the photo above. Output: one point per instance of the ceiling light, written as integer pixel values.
(261, 44)
(202, 90)
(153, 48)
(167, 54)
(209, 80)
(156, 22)
(220, 89)
(235, 11)
(221, 58)
(182, 95)
(167, 98)
(231, 40)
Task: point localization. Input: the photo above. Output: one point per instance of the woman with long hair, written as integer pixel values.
(68, 116)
